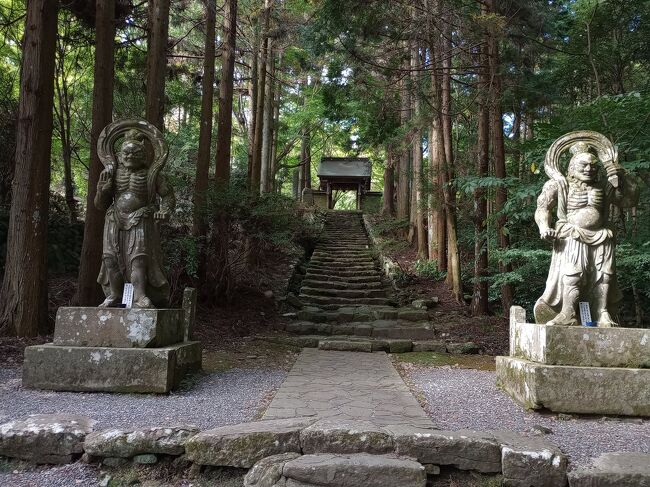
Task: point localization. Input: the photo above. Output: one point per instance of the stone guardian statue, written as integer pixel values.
(582, 264)
(136, 197)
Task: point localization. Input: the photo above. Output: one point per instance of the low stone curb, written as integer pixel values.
(276, 451)
(389, 267)
(614, 470)
(45, 438)
(377, 344)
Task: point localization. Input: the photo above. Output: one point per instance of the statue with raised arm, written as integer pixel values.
(582, 263)
(136, 197)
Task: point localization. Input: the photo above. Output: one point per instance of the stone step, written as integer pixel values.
(327, 257)
(346, 345)
(342, 252)
(389, 345)
(318, 284)
(330, 257)
(343, 272)
(342, 242)
(351, 266)
(353, 279)
(336, 249)
(344, 293)
(379, 329)
(324, 300)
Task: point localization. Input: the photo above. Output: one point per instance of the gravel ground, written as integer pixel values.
(212, 400)
(465, 398)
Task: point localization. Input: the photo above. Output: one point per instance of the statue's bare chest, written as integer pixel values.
(131, 190)
(585, 207)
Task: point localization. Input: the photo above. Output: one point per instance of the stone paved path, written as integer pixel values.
(346, 385)
(342, 271)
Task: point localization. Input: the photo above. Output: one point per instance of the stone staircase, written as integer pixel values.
(346, 303)
(342, 270)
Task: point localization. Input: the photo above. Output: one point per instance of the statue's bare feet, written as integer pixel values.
(605, 320)
(111, 302)
(143, 302)
(563, 320)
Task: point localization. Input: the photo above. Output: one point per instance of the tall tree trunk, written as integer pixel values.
(453, 274)
(276, 131)
(446, 173)
(157, 61)
(221, 237)
(433, 200)
(23, 298)
(305, 158)
(403, 169)
(252, 92)
(89, 293)
(259, 106)
(267, 131)
(498, 150)
(480, 293)
(226, 89)
(417, 178)
(388, 208)
(418, 215)
(200, 226)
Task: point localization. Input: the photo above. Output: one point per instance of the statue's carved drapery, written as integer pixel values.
(582, 264)
(136, 197)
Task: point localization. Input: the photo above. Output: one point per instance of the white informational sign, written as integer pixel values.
(127, 295)
(585, 313)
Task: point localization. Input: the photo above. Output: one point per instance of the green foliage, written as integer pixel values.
(181, 253)
(64, 238)
(384, 227)
(429, 269)
(528, 277)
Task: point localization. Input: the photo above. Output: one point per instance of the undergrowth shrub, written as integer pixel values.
(429, 269)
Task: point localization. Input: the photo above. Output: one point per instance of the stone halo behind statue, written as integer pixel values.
(582, 263)
(136, 197)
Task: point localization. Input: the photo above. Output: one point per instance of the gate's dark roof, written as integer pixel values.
(359, 167)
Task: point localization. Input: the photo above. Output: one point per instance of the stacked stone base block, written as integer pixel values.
(577, 369)
(146, 370)
(116, 350)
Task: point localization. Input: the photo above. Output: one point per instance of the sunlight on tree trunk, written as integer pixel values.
(89, 292)
(23, 298)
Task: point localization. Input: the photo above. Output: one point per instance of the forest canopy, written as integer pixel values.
(455, 102)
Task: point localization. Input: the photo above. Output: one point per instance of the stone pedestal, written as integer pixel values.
(575, 369)
(115, 350)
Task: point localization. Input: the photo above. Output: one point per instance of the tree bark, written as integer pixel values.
(200, 226)
(256, 165)
(89, 292)
(221, 225)
(267, 130)
(23, 298)
(446, 174)
(480, 293)
(499, 156)
(226, 88)
(433, 200)
(157, 40)
(205, 133)
(276, 124)
(403, 169)
(388, 208)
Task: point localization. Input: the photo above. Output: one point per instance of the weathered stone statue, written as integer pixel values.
(582, 264)
(136, 197)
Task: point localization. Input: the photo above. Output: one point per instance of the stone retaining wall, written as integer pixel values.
(306, 452)
(389, 267)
